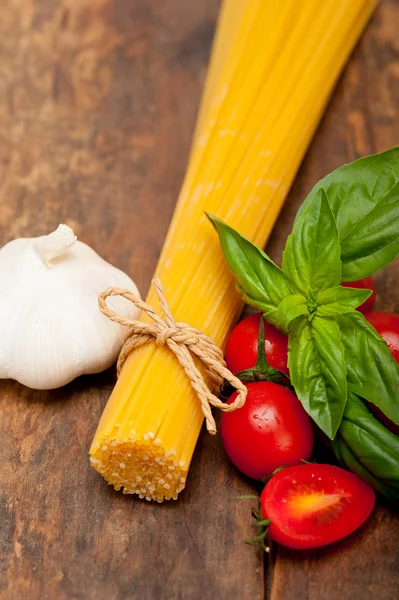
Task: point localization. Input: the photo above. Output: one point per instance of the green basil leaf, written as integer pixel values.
(363, 197)
(350, 461)
(311, 258)
(290, 309)
(373, 243)
(364, 446)
(373, 373)
(340, 300)
(376, 446)
(318, 373)
(261, 281)
(269, 311)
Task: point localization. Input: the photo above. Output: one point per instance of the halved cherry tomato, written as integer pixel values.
(314, 505)
(364, 284)
(272, 429)
(242, 346)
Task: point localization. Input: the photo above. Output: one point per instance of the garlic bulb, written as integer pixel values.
(51, 329)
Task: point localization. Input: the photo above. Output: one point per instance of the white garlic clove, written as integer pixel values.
(51, 329)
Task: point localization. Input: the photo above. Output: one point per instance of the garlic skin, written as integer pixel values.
(51, 329)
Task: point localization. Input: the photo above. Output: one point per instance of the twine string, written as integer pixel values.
(184, 341)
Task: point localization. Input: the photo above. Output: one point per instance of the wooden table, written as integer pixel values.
(98, 100)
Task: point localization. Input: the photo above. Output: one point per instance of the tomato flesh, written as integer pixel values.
(364, 284)
(272, 429)
(242, 345)
(315, 505)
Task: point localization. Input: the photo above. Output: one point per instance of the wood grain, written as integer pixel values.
(97, 105)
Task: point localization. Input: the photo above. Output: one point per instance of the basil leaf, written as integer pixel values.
(269, 311)
(340, 300)
(373, 373)
(376, 446)
(363, 197)
(350, 461)
(373, 243)
(318, 373)
(290, 309)
(261, 281)
(367, 448)
(311, 258)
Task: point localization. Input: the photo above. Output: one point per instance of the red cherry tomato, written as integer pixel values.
(272, 429)
(364, 284)
(387, 325)
(242, 346)
(314, 505)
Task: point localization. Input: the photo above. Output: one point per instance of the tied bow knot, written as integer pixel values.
(185, 342)
(165, 334)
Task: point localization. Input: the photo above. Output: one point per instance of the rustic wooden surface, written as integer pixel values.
(97, 104)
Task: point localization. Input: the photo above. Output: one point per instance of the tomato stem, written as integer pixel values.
(259, 540)
(250, 497)
(262, 524)
(262, 371)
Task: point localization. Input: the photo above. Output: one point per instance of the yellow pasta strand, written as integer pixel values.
(274, 64)
(230, 17)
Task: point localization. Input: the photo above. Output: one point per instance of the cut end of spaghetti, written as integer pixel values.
(140, 466)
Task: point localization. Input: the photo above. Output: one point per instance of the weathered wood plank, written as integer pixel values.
(97, 105)
(362, 118)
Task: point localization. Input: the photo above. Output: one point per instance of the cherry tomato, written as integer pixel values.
(314, 505)
(242, 346)
(364, 284)
(272, 429)
(387, 325)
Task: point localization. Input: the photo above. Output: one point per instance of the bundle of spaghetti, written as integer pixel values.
(273, 67)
